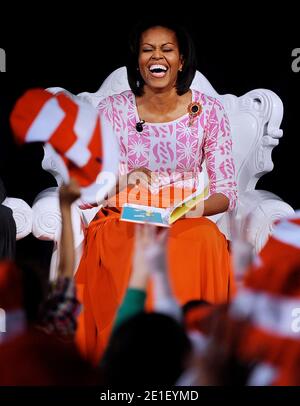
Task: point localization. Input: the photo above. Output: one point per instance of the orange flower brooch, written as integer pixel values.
(194, 110)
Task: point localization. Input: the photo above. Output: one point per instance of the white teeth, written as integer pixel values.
(162, 67)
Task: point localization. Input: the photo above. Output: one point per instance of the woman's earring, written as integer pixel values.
(138, 82)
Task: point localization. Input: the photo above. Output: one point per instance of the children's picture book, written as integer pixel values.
(163, 217)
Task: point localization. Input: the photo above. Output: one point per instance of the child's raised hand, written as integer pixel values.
(155, 250)
(69, 193)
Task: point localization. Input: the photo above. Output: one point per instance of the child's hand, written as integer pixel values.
(69, 193)
(149, 254)
(155, 250)
(140, 269)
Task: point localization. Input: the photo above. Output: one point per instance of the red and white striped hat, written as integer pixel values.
(86, 145)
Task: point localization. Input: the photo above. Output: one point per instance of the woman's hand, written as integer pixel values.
(138, 176)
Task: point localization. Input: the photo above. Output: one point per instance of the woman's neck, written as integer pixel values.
(162, 103)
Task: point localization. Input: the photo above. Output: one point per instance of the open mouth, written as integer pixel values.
(158, 71)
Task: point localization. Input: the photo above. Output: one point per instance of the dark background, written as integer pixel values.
(237, 53)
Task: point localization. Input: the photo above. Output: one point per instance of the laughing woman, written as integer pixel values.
(167, 129)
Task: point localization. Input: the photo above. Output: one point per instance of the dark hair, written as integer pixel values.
(8, 228)
(8, 232)
(149, 348)
(186, 49)
(192, 304)
(33, 257)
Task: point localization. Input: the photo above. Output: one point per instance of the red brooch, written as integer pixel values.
(194, 110)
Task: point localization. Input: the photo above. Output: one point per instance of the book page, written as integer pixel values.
(173, 205)
(145, 215)
(187, 204)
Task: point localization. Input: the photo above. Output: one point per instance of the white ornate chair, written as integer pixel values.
(255, 120)
(22, 214)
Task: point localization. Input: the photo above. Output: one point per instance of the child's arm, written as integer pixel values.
(67, 195)
(135, 296)
(156, 256)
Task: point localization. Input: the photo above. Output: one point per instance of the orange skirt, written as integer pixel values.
(199, 268)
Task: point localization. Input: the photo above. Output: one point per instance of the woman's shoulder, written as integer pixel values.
(116, 105)
(204, 98)
(209, 103)
(118, 99)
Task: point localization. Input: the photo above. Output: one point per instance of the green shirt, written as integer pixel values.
(133, 304)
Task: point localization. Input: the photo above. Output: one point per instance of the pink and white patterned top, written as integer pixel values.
(176, 149)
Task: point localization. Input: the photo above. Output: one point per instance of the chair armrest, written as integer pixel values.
(47, 217)
(265, 208)
(22, 214)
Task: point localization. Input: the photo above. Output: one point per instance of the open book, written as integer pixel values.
(163, 217)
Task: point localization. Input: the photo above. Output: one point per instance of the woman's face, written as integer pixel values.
(159, 58)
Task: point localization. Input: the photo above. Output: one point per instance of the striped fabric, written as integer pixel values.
(269, 305)
(260, 328)
(73, 130)
(279, 260)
